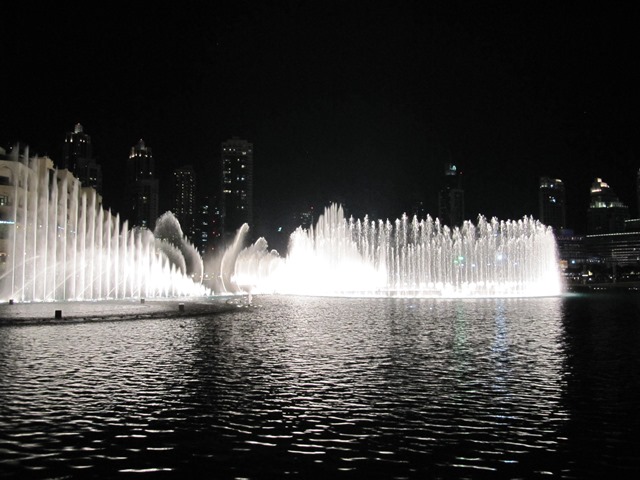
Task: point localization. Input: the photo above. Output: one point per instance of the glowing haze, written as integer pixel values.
(406, 258)
(64, 246)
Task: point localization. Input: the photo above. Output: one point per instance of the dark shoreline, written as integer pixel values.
(605, 287)
(43, 313)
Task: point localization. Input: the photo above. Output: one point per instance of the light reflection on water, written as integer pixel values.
(302, 386)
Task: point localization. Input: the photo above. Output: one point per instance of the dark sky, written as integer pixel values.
(359, 102)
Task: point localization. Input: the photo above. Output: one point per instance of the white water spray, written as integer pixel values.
(64, 246)
(407, 258)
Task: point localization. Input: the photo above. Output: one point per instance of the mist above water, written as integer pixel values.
(62, 245)
(405, 258)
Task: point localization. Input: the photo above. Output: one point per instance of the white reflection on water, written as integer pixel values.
(382, 385)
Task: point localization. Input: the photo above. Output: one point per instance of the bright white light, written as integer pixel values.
(406, 259)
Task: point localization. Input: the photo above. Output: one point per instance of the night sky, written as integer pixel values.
(357, 102)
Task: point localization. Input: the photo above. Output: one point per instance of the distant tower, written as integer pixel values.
(237, 185)
(77, 158)
(451, 198)
(606, 213)
(207, 228)
(184, 198)
(142, 187)
(202, 225)
(551, 201)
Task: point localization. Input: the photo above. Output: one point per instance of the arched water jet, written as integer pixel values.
(170, 237)
(228, 261)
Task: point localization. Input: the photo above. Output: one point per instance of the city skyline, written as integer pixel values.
(363, 107)
(169, 202)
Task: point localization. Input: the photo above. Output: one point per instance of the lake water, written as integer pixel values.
(299, 387)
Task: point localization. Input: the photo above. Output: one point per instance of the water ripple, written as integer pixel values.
(384, 388)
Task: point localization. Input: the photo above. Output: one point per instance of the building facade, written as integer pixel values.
(207, 225)
(142, 187)
(184, 199)
(451, 198)
(571, 249)
(606, 214)
(77, 157)
(39, 208)
(237, 185)
(551, 203)
(619, 249)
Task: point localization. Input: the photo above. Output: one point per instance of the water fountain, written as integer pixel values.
(407, 258)
(64, 246)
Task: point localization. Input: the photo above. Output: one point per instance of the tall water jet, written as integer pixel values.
(62, 245)
(408, 258)
(228, 262)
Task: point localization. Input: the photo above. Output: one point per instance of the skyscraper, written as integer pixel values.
(77, 158)
(551, 202)
(606, 213)
(451, 197)
(184, 198)
(237, 185)
(207, 228)
(142, 187)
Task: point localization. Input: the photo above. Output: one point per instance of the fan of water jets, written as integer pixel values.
(407, 258)
(63, 246)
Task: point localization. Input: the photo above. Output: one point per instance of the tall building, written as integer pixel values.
(142, 187)
(620, 248)
(207, 225)
(571, 250)
(418, 208)
(22, 198)
(551, 202)
(237, 185)
(77, 157)
(606, 213)
(184, 198)
(202, 226)
(451, 197)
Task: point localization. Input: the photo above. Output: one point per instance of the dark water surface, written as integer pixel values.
(330, 388)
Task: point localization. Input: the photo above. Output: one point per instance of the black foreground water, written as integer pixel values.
(300, 387)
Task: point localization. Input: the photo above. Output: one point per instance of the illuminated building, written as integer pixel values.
(606, 213)
(551, 202)
(13, 171)
(17, 190)
(571, 250)
(77, 158)
(207, 228)
(184, 198)
(451, 198)
(621, 249)
(142, 187)
(419, 209)
(237, 185)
